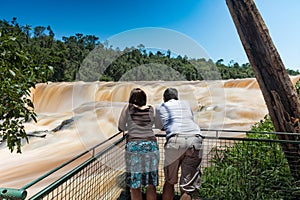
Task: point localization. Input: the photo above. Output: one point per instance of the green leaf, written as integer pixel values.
(12, 72)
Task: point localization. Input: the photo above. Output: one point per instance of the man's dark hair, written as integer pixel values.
(170, 93)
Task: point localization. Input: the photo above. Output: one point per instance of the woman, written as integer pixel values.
(142, 153)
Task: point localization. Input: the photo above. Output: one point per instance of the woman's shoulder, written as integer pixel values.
(143, 108)
(150, 107)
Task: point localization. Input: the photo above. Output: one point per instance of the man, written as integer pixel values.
(183, 146)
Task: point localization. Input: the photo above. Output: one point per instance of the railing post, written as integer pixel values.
(12, 194)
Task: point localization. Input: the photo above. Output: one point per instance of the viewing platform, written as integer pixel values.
(236, 166)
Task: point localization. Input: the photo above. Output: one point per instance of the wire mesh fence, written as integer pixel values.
(99, 177)
(252, 167)
(232, 167)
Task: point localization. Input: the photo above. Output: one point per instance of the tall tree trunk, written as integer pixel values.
(279, 93)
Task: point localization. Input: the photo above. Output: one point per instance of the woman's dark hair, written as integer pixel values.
(170, 93)
(138, 97)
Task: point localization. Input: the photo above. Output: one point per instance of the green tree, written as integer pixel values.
(19, 73)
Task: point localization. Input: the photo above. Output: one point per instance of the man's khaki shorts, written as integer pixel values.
(185, 152)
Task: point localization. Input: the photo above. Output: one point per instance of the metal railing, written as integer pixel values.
(101, 175)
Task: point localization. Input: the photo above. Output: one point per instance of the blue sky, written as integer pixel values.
(205, 22)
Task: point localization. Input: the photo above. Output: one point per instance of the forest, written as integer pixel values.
(84, 57)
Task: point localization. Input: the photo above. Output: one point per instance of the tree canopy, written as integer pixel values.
(84, 57)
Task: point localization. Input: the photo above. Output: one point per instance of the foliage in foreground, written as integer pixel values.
(19, 72)
(250, 170)
(255, 169)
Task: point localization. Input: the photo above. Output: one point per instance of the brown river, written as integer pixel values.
(92, 110)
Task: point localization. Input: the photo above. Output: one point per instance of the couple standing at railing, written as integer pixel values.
(182, 149)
